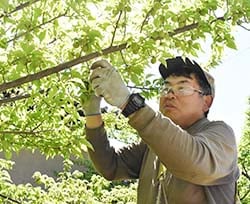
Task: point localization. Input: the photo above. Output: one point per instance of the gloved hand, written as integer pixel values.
(107, 82)
(91, 105)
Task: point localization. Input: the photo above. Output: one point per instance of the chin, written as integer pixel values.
(171, 116)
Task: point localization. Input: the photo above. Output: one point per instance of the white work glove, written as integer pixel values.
(91, 105)
(107, 82)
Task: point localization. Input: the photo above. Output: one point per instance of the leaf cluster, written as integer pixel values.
(244, 162)
(67, 188)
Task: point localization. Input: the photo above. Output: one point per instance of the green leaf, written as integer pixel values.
(42, 35)
(28, 48)
(86, 144)
(231, 43)
(4, 4)
(3, 43)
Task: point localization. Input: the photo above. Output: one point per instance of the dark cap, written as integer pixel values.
(178, 65)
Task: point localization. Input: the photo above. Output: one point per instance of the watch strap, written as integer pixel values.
(135, 102)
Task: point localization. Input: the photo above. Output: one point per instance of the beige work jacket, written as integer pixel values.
(175, 166)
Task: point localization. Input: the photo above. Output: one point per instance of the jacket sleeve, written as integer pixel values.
(113, 165)
(208, 157)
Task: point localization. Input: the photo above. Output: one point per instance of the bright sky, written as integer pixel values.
(232, 78)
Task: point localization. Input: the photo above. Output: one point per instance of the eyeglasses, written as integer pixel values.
(179, 90)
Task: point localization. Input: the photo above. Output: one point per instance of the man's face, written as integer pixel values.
(183, 101)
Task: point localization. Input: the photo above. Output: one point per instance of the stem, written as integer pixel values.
(5, 197)
(20, 7)
(32, 29)
(116, 26)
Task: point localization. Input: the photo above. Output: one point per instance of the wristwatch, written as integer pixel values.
(135, 102)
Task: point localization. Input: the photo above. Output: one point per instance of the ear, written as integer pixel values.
(208, 100)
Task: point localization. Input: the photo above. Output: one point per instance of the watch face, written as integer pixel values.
(137, 99)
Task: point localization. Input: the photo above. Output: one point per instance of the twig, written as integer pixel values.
(20, 97)
(37, 126)
(227, 4)
(245, 195)
(16, 98)
(116, 26)
(5, 197)
(142, 88)
(125, 27)
(20, 7)
(123, 58)
(239, 24)
(32, 29)
(244, 173)
(145, 19)
(12, 99)
(24, 132)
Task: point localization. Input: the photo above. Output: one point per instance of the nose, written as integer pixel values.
(169, 93)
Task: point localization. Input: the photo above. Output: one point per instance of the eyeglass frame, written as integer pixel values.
(170, 89)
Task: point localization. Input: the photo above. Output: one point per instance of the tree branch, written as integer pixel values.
(20, 7)
(32, 29)
(69, 64)
(183, 29)
(60, 67)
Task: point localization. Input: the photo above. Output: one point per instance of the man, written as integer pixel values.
(183, 158)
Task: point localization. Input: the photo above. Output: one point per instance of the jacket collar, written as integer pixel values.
(195, 127)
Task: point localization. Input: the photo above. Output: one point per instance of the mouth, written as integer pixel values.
(169, 106)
